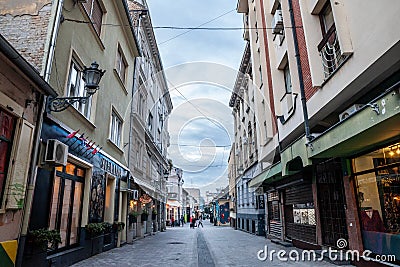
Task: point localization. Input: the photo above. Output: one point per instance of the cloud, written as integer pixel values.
(201, 65)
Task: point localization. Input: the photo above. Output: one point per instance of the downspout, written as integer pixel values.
(300, 73)
(53, 38)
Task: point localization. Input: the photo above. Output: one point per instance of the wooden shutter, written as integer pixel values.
(20, 167)
(97, 16)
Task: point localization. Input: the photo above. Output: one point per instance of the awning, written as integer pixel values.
(372, 126)
(174, 203)
(272, 174)
(149, 189)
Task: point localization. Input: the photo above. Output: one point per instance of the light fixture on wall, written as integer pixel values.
(91, 76)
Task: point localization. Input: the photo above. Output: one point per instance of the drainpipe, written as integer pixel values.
(300, 72)
(53, 38)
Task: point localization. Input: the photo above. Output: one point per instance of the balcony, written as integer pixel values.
(331, 53)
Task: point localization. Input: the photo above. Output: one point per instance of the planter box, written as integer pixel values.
(34, 255)
(97, 244)
(132, 219)
(144, 217)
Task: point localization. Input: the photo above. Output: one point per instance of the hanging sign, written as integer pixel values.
(145, 199)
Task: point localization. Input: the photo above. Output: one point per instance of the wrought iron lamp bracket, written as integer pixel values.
(62, 103)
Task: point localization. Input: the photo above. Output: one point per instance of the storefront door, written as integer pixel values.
(331, 201)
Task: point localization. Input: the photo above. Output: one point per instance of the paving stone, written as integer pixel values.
(203, 247)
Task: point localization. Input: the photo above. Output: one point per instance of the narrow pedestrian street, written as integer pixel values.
(182, 246)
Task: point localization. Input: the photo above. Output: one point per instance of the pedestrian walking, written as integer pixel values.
(200, 222)
(182, 220)
(172, 221)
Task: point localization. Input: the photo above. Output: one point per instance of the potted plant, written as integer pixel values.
(94, 229)
(95, 232)
(45, 238)
(38, 242)
(118, 226)
(133, 217)
(144, 215)
(153, 214)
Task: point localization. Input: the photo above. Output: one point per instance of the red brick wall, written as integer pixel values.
(27, 33)
(305, 66)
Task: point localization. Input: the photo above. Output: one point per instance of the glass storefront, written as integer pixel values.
(378, 191)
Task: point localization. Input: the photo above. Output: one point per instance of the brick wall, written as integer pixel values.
(305, 66)
(27, 33)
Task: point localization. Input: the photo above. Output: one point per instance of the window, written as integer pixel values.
(66, 204)
(7, 126)
(95, 13)
(288, 81)
(121, 65)
(261, 76)
(116, 129)
(326, 18)
(76, 88)
(150, 122)
(329, 47)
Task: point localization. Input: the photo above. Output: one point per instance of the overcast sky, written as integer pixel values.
(201, 70)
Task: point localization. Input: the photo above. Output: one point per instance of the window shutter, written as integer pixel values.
(20, 168)
(97, 16)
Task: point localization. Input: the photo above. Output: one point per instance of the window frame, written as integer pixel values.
(77, 66)
(89, 4)
(121, 61)
(115, 117)
(287, 78)
(74, 178)
(8, 153)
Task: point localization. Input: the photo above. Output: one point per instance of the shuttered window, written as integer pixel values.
(95, 13)
(7, 126)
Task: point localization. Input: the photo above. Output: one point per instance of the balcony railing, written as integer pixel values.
(330, 52)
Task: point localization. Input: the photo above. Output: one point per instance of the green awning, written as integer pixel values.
(270, 175)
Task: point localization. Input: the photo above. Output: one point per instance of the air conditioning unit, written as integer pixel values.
(277, 22)
(56, 152)
(349, 111)
(135, 194)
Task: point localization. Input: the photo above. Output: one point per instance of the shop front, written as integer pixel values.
(74, 195)
(377, 176)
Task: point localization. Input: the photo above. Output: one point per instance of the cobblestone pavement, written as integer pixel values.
(181, 246)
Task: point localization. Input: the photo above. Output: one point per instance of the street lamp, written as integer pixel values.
(91, 76)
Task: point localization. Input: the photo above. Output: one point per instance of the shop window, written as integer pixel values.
(378, 194)
(273, 206)
(66, 204)
(76, 88)
(304, 214)
(7, 126)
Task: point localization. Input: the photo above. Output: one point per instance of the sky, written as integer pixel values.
(201, 68)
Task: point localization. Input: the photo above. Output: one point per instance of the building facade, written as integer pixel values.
(333, 88)
(23, 95)
(91, 179)
(149, 138)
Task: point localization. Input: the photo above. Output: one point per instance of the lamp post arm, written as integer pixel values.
(62, 103)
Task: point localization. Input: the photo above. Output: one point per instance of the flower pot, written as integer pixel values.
(144, 217)
(132, 219)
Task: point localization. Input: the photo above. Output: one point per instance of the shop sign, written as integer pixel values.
(261, 203)
(145, 199)
(111, 167)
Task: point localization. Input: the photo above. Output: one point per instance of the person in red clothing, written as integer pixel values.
(172, 221)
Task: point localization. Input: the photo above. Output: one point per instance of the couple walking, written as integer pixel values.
(193, 222)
